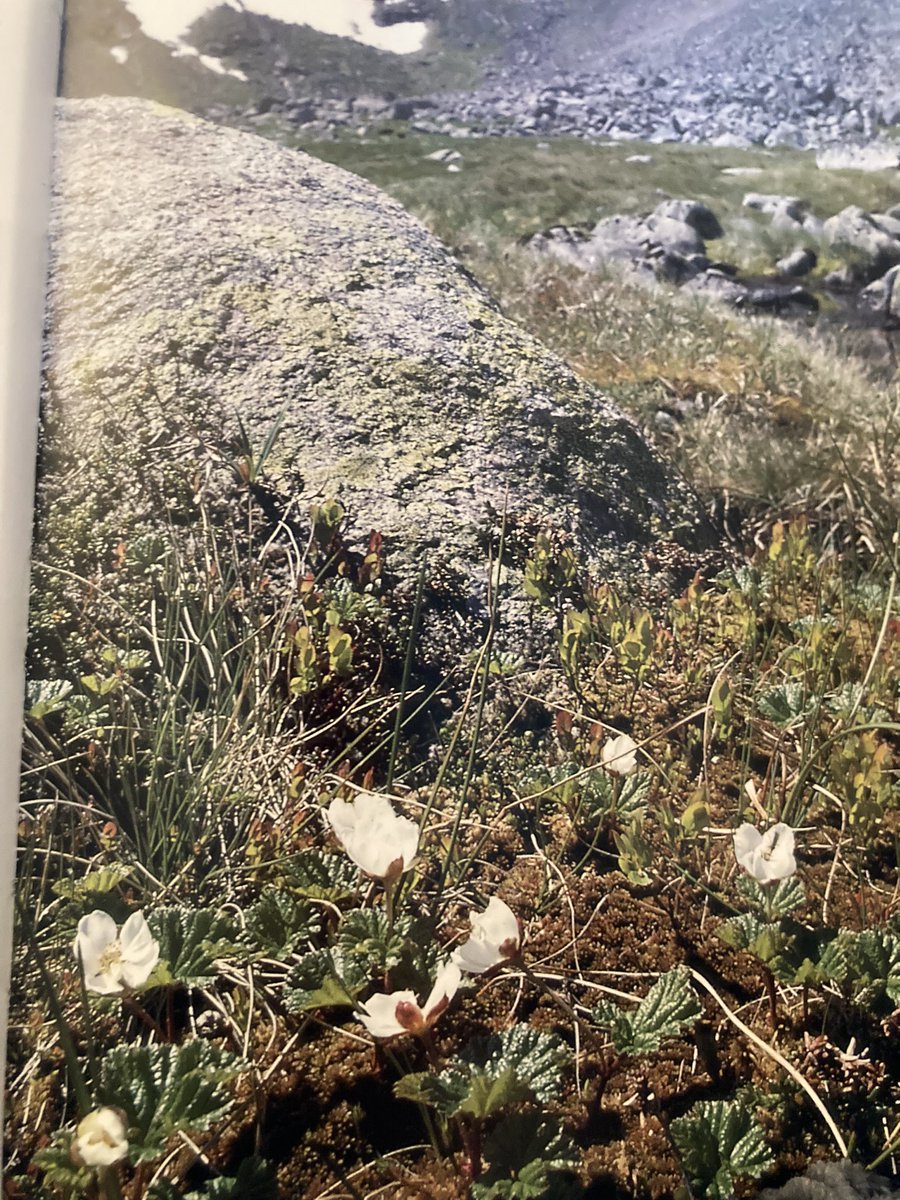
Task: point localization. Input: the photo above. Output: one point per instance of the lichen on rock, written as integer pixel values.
(206, 280)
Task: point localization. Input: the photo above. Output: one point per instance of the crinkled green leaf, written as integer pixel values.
(325, 979)
(780, 901)
(93, 884)
(528, 1158)
(668, 1007)
(870, 964)
(61, 1176)
(493, 1073)
(720, 1141)
(366, 934)
(748, 932)
(280, 922)
(166, 1088)
(786, 704)
(190, 943)
(255, 1180)
(598, 794)
(319, 876)
(46, 696)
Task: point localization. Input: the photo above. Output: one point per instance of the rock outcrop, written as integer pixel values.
(209, 288)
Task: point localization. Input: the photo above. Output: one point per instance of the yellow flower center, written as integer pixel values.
(110, 958)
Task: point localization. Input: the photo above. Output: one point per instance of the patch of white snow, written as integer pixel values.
(169, 20)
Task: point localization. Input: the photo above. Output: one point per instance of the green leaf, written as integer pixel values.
(780, 901)
(166, 1088)
(45, 696)
(720, 1141)
(748, 932)
(325, 979)
(366, 935)
(871, 965)
(445, 1092)
(317, 876)
(529, 1158)
(280, 922)
(255, 1180)
(95, 883)
(668, 1007)
(190, 942)
(492, 1073)
(61, 1176)
(785, 704)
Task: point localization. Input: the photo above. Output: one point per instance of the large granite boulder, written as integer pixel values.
(209, 287)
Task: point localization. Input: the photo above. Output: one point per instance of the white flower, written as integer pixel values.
(496, 937)
(380, 842)
(387, 1016)
(100, 1139)
(766, 856)
(619, 755)
(112, 960)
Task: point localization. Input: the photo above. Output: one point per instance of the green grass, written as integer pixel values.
(519, 185)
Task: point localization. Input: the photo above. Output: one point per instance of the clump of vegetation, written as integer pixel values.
(298, 915)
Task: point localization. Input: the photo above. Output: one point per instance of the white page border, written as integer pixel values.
(29, 55)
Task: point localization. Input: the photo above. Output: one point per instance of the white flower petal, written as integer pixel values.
(619, 755)
(746, 842)
(101, 1139)
(140, 950)
(495, 935)
(766, 856)
(380, 842)
(776, 854)
(446, 985)
(476, 957)
(379, 1013)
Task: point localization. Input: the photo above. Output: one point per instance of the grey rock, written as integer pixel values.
(856, 230)
(773, 203)
(889, 109)
(883, 296)
(832, 1181)
(205, 281)
(673, 234)
(887, 224)
(692, 213)
(798, 263)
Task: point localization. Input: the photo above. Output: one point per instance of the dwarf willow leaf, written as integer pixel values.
(162, 1089)
(529, 1158)
(319, 876)
(280, 922)
(190, 942)
(779, 901)
(663, 1013)
(720, 1141)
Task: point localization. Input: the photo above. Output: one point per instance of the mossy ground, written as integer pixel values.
(242, 716)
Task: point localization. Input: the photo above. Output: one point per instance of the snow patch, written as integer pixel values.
(879, 156)
(120, 54)
(184, 50)
(169, 20)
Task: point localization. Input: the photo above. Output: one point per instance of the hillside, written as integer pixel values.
(796, 73)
